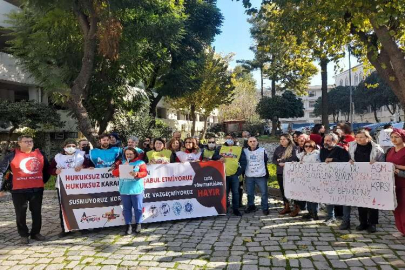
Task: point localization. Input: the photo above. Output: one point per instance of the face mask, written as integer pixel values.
(70, 150)
(211, 145)
(245, 139)
(229, 142)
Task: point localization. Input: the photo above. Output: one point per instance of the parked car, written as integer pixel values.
(372, 128)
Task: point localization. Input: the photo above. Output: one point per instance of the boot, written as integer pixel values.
(296, 211)
(286, 209)
(128, 229)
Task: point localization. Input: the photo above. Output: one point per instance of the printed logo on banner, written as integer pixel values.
(89, 219)
(110, 215)
(188, 207)
(164, 209)
(153, 211)
(177, 207)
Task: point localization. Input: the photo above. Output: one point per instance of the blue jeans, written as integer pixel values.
(232, 183)
(346, 212)
(261, 182)
(135, 202)
(312, 207)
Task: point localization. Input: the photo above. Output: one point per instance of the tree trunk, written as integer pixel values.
(153, 105)
(88, 26)
(392, 112)
(108, 116)
(261, 82)
(205, 127)
(324, 104)
(375, 115)
(274, 120)
(193, 119)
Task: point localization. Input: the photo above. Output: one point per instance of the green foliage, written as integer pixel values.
(272, 181)
(285, 106)
(245, 99)
(373, 92)
(338, 101)
(256, 127)
(28, 114)
(140, 124)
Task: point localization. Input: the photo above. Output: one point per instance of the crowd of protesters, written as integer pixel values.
(245, 165)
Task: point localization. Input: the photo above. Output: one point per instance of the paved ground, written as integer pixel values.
(226, 242)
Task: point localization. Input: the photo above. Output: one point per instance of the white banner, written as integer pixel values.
(361, 184)
(90, 198)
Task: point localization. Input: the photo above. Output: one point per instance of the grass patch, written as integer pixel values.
(50, 185)
(272, 182)
(268, 139)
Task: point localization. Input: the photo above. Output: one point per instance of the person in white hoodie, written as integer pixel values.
(365, 150)
(310, 155)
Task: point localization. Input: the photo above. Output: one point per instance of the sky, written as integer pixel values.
(235, 38)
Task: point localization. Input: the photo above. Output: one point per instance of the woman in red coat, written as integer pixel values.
(396, 155)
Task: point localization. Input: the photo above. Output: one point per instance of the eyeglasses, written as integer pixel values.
(251, 141)
(211, 142)
(27, 142)
(188, 142)
(308, 146)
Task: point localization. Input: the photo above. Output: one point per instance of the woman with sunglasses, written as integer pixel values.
(310, 155)
(363, 149)
(191, 152)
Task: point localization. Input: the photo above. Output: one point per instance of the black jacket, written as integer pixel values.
(5, 166)
(338, 154)
(278, 153)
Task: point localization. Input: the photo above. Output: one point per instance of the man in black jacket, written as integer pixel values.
(334, 153)
(28, 174)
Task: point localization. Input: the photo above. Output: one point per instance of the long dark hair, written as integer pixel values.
(316, 128)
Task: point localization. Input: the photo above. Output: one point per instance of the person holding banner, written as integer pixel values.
(235, 163)
(131, 189)
(331, 152)
(191, 152)
(29, 172)
(105, 156)
(396, 155)
(256, 174)
(209, 152)
(69, 158)
(363, 149)
(310, 155)
(286, 152)
(159, 155)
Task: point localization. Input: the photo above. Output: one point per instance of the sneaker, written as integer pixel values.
(372, 228)
(330, 221)
(251, 209)
(315, 217)
(128, 229)
(38, 237)
(361, 227)
(266, 212)
(138, 228)
(237, 213)
(24, 240)
(344, 226)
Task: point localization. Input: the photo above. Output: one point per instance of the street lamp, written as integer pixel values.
(351, 90)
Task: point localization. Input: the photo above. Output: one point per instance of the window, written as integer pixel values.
(356, 79)
(311, 93)
(312, 103)
(341, 82)
(161, 113)
(312, 115)
(346, 82)
(202, 118)
(178, 115)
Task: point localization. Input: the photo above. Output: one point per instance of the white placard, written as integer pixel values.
(361, 184)
(125, 170)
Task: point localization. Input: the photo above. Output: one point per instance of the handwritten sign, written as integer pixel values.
(361, 184)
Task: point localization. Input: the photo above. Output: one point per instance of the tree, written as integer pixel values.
(26, 114)
(289, 59)
(374, 28)
(338, 101)
(373, 92)
(67, 45)
(243, 106)
(285, 106)
(216, 89)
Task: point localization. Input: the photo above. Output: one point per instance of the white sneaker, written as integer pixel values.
(330, 222)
